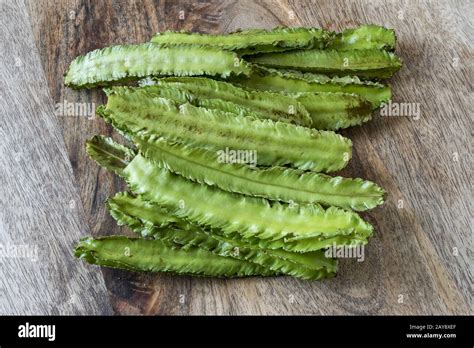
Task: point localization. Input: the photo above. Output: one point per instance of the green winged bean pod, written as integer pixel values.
(364, 37)
(136, 254)
(275, 183)
(141, 216)
(274, 106)
(365, 63)
(249, 217)
(275, 143)
(291, 81)
(251, 41)
(123, 63)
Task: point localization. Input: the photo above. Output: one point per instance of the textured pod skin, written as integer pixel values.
(333, 111)
(365, 37)
(182, 96)
(134, 212)
(140, 215)
(251, 41)
(288, 81)
(138, 254)
(162, 216)
(275, 106)
(249, 217)
(273, 183)
(230, 107)
(365, 63)
(132, 111)
(109, 154)
(132, 62)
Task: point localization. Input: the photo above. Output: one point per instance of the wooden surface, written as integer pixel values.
(420, 259)
(41, 215)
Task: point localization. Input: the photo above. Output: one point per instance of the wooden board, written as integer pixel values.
(417, 262)
(41, 216)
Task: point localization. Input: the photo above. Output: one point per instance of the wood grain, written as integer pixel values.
(41, 216)
(418, 262)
